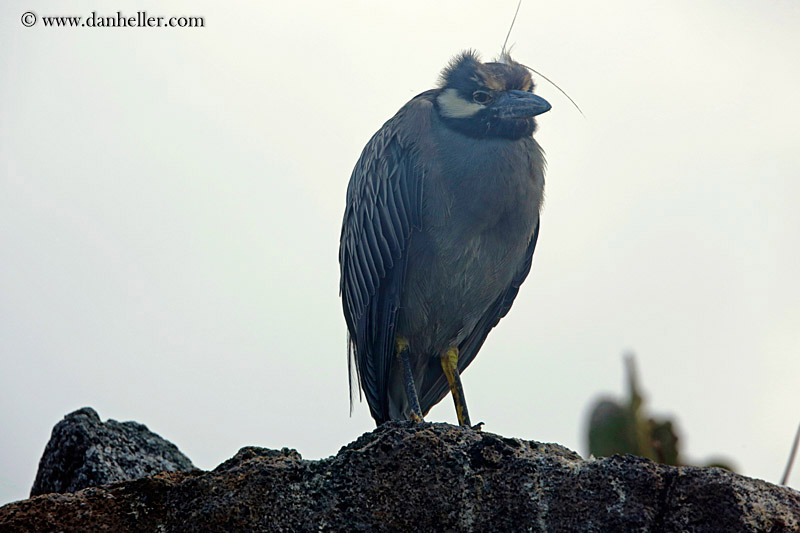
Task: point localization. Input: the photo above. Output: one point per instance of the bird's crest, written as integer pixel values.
(466, 70)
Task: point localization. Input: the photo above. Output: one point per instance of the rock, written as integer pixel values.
(85, 452)
(423, 477)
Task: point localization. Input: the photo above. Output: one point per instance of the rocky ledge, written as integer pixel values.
(422, 477)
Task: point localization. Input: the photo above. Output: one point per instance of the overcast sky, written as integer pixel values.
(171, 200)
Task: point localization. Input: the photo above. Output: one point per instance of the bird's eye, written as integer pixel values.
(481, 97)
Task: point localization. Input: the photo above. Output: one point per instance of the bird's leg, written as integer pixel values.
(408, 378)
(450, 367)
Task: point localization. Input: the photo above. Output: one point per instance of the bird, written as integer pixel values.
(440, 224)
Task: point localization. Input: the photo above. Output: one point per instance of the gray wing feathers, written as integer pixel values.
(383, 207)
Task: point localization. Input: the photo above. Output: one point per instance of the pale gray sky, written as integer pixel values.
(170, 205)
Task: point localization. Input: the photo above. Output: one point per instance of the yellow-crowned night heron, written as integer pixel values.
(441, 221)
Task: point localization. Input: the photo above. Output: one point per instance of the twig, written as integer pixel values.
(792, 455)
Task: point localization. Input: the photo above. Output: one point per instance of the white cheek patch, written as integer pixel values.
(452, 105)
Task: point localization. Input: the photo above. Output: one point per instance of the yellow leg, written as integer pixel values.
(401, 345)
(450, 367)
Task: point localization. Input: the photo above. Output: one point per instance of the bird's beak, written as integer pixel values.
(520, 104)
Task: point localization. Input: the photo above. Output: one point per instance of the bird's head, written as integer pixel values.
(488, 99)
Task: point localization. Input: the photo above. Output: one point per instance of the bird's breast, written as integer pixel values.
(479, 186)
(480, 207)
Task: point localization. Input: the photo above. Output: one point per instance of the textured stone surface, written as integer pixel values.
(423, 477)
(85, 452)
